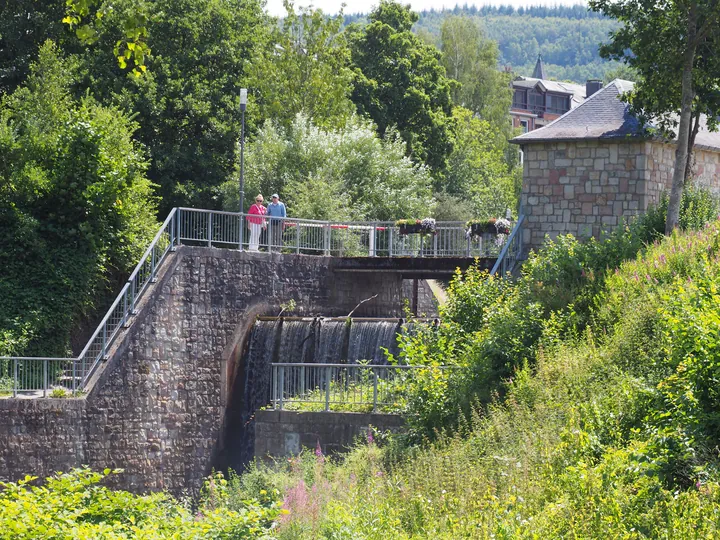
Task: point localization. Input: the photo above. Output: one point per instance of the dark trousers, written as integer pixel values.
(275, 227)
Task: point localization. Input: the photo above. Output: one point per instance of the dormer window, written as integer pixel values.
(520, 99)
(558, 104)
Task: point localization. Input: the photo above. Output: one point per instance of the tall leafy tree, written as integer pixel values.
(188, 100)
(24, 26)
(661, 40)
(478, 172)
(472, 60)
(304, 67)
(401, 82)
(335, 173)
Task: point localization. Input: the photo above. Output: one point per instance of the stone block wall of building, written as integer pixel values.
(157, 407)
(661, 165)
(585, 187)
(580, 188)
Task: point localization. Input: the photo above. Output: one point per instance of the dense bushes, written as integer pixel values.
(75, 505)
(343, 173)
(493, 327)
(75, 206)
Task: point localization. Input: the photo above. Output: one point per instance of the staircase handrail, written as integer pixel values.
(506, 247)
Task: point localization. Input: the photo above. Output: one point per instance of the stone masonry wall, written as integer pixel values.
(585, 187)
(285, 433)
(661, 165)
(40, 436)
(580, 188)
(158, 405)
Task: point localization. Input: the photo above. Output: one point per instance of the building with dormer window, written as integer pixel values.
(538, 101)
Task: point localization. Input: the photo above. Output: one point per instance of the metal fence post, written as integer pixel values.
(375, 390)
(469, 242)
(132, 297)
(281, 385)
(390, 241)
(15, 377)
(74, 377)
(371, 241)
(328, 373)
(152, 265)
(302, 381)
(210, 228)
(125, 309)
(270, 235)
(45, 377)
(104, 342)
(297, 237)
(326, 240)
(241, 232)
(273, 380)
(178, 230)
(172, 232)
(435, 243)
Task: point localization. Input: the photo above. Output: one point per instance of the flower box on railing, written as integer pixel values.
(416, 226)
(492, 226)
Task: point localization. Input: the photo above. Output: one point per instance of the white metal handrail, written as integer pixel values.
(331, 238)
(215, 228)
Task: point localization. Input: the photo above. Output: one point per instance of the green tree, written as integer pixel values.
(400, 82)
(472, 60)
(341, 173)
(187, 104)
(304, 67)
(24, 27)
(659, 41)
(478, 170)
(75, 206)
(131, 48)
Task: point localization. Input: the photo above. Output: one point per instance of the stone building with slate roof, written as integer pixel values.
(596, 165)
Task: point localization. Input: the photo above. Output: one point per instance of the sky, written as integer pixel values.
(275, 7)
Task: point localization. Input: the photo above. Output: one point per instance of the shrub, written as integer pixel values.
(75, 505)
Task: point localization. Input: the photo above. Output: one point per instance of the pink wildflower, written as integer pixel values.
(319, 453)
(370, 438)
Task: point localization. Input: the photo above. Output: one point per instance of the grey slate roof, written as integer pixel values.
(604, 116)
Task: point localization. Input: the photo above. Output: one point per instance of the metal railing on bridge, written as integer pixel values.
(35, 376)
(346, 387)
(332, 238)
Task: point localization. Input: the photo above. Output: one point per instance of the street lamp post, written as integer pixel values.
(243, 106)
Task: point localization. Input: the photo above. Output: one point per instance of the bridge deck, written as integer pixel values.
(413, 267)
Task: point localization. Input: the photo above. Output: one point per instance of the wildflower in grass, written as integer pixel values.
(370, 438)
(318, 453)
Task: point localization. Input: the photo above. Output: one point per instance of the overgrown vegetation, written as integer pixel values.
(587, 404)
(76, 505)
(76, 209)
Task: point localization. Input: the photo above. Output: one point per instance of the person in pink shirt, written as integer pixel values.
(256, 224)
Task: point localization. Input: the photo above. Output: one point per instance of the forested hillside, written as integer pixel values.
(567, 37)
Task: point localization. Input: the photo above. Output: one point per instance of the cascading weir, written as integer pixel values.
(299, 340)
